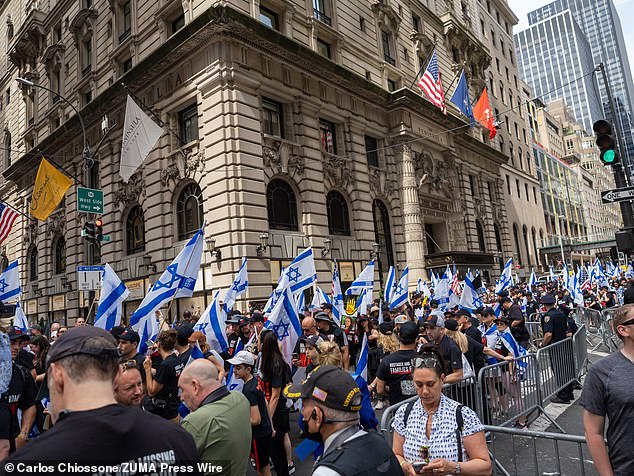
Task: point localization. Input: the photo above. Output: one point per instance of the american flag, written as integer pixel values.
(431, 85)
(455, 285)
(7, 219)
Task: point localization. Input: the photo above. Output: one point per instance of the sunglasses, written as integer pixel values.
(425, 362)
(627, 323)
(129, 364)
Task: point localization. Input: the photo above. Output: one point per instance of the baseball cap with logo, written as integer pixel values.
(408, 332)
(243, 357)
(435, 321)
(401, 319)
(130, 335)
(330, 386)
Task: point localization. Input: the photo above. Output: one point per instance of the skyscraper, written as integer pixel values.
(599, 21)
(552, 53)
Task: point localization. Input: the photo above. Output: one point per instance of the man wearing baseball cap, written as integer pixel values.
(89, 424)
(331, 401)
(334, 333)
(449, 350)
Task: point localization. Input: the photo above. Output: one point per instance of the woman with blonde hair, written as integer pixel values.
(329, 353)
(472, 350)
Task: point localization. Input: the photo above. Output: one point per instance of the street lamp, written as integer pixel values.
(264, 244)
(561, 243)
(211, 247)
(327, 247)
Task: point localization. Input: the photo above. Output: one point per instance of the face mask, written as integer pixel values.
(312, 436)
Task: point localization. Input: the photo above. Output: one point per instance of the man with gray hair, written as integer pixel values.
(331, 401)
(220, 420)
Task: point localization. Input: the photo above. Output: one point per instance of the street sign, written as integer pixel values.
(618, 195)
(89, 277)
(103, 237)
(89, 200)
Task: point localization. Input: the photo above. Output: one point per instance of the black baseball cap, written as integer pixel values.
(17, 334)
(504, 293)
(326, 305)
(183, 331)
(116, 331)
(257, 316)
(462, 312)
(235, 319)
(488, 311)
(548, 299)
(451, 324)
(130, 335)
(312, 340)
(73, 342)
(505, 300)
(435, 321)
(386, 328)
(330, 386)
(408, 332)
(503, 320)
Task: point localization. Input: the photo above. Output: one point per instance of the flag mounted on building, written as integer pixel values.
(431, 84)
(484, 114)
(140, 135)
(461, 98)
(7, 218)
(49, 190)
(113, 293)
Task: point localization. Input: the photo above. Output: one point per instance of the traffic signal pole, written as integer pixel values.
(618, 170)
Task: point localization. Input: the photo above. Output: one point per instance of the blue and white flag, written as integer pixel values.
(338, 305)
(532, 282)
(196, 353)
(553, 276)
(213, 323)
(113, 293)
(301, 273)
(577, 294)
(300, 299)
(277, 292)
(461, 99)
(10, 289)
(231, 382)
(178, 280)
(148, 331)
(20, 321)
(470, 275)
(469, 298)
(434, 280)
(423, 288)
(568, 281)
(401, 294)
(362, 363)
(319, 298)
(506, 280)
(390, 284)
(284, 321)
(599, 274)
(238, 287)
(629, 272)
(365, 280)
(441, 292)
(380, 318)
(515, 349)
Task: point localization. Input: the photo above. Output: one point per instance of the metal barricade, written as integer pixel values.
(580, 347)
(537, 335)
(609, 336)
(556, 367)
(524, 453)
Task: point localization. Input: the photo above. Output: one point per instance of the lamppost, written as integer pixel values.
(561, 243)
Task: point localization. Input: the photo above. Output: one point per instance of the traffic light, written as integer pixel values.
(90, 231)
(606, 142)
(98, 231)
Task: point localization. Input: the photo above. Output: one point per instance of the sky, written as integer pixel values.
(624, 7)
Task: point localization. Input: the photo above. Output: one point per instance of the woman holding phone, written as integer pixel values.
(434, 434)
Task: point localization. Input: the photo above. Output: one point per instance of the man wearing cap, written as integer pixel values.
(245, 330)
(183, 331)
(21, 394)
(449, 350)
(555, 327)
(466, 326)
(513, 314)
(394, 375)
(333, 333)
(128, 343)
(219, 420)
(331, 401)
(89, 424)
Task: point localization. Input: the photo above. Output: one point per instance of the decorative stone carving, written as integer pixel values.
(194, 162)
(56, 223)
(132, 191)
(170, 173)
(457, 232)
(31, 232)
(380, 183)
(337, 169)
(422, 42)
(432, 174)
(29, 40)
(387, 18)
(282, 156)
(82, 24)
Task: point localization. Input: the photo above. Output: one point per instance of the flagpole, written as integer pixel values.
(16, 210)
(422, 66)
(454, 80)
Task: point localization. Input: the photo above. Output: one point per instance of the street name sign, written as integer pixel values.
(618, 195)
(89, 200)
(89, 277)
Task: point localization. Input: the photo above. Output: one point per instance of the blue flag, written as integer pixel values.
(113, 293)
(362, 363)
(178, 280)
(390, 285)
(196, 353)
(337, 297)
(400, 295)
(238, 287)
(506, 280)
(284, 321)
(20, 321)
(10, 289)
(461, 98)
(212, 323)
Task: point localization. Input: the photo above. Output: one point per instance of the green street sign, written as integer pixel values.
(105, 238)
(89, 200)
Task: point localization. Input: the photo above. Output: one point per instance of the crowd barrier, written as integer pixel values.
(600, 332)
(537, 335)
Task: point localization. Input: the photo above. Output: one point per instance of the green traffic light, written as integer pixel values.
(609, 156)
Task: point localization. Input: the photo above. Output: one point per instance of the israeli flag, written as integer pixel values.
(113, 293)
(301, 273)
(401, 294)
(337, 297)
(365, 280)
(469, 298)
(239, 286)
(629, 272)
(390, 284)
(497, 309)
(363, 301)
(553, 276)
(577, 295)
(506, 280)
(213, 323)
(434, 280)
(319, 298)
(362, 363)
(178, 280)
(20, 321)
(301, 303)
(231, 382)
(470, 275)
(149, 329)
(441, 292)
(10, 289)
(567, 280)
(196, 353)
(515, 349)
(424, 289)
(277, 292)
(284, 321)
(532, 282)
(599, 274)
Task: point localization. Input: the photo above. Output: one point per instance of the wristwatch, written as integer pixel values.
(458, 470)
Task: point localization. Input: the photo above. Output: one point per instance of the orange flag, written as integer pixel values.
(483, 114)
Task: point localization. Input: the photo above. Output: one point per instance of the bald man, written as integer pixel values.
(220, 420)
(309, 328)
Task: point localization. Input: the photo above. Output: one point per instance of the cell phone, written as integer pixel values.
(419, 465)
(295, 356)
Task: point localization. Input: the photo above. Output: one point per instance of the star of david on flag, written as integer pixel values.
(365, 281)
(10, 288)
(239, 286)
(401, 292)
(506, 280)
(213, 324)
(284, 321)
(113, 293)
(390, 284)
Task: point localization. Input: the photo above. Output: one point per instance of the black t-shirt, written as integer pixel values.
(256, 397)
(451, 353)
(475, 354)
(25, 359)
(395, 370)
(556, 323)
(279, 378)
(111, 434)
(167, 375)
(335, 334)
(183, 358)
(473, 332)
(21, 394)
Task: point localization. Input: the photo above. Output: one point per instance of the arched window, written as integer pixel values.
(135, 231)
(59, 256)
(516, 238)
(525, 236)
(382, 232)
(338, 217)
(189, 211)
(32, 258)
(534, 236)
(498, 237)
(480, 232)
(281, 205)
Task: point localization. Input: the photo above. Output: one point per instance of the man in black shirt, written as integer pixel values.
(466, 325)
(89, 425)
(21, 394)
(532, 307)
(333, 333)
(128, 343)
(447, 348)
(514, 315)
(183, 331)
(394, 375)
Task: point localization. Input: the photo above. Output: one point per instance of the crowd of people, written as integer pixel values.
(84, 394)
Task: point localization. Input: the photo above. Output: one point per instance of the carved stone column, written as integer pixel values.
(413, 230)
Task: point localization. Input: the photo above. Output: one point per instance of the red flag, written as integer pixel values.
(483, 114)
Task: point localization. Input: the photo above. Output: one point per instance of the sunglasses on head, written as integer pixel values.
(129, 364)
(425, 361)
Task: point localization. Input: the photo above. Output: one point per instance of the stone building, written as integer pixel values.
(288, 123)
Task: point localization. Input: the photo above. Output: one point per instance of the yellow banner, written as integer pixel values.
(49, 189)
